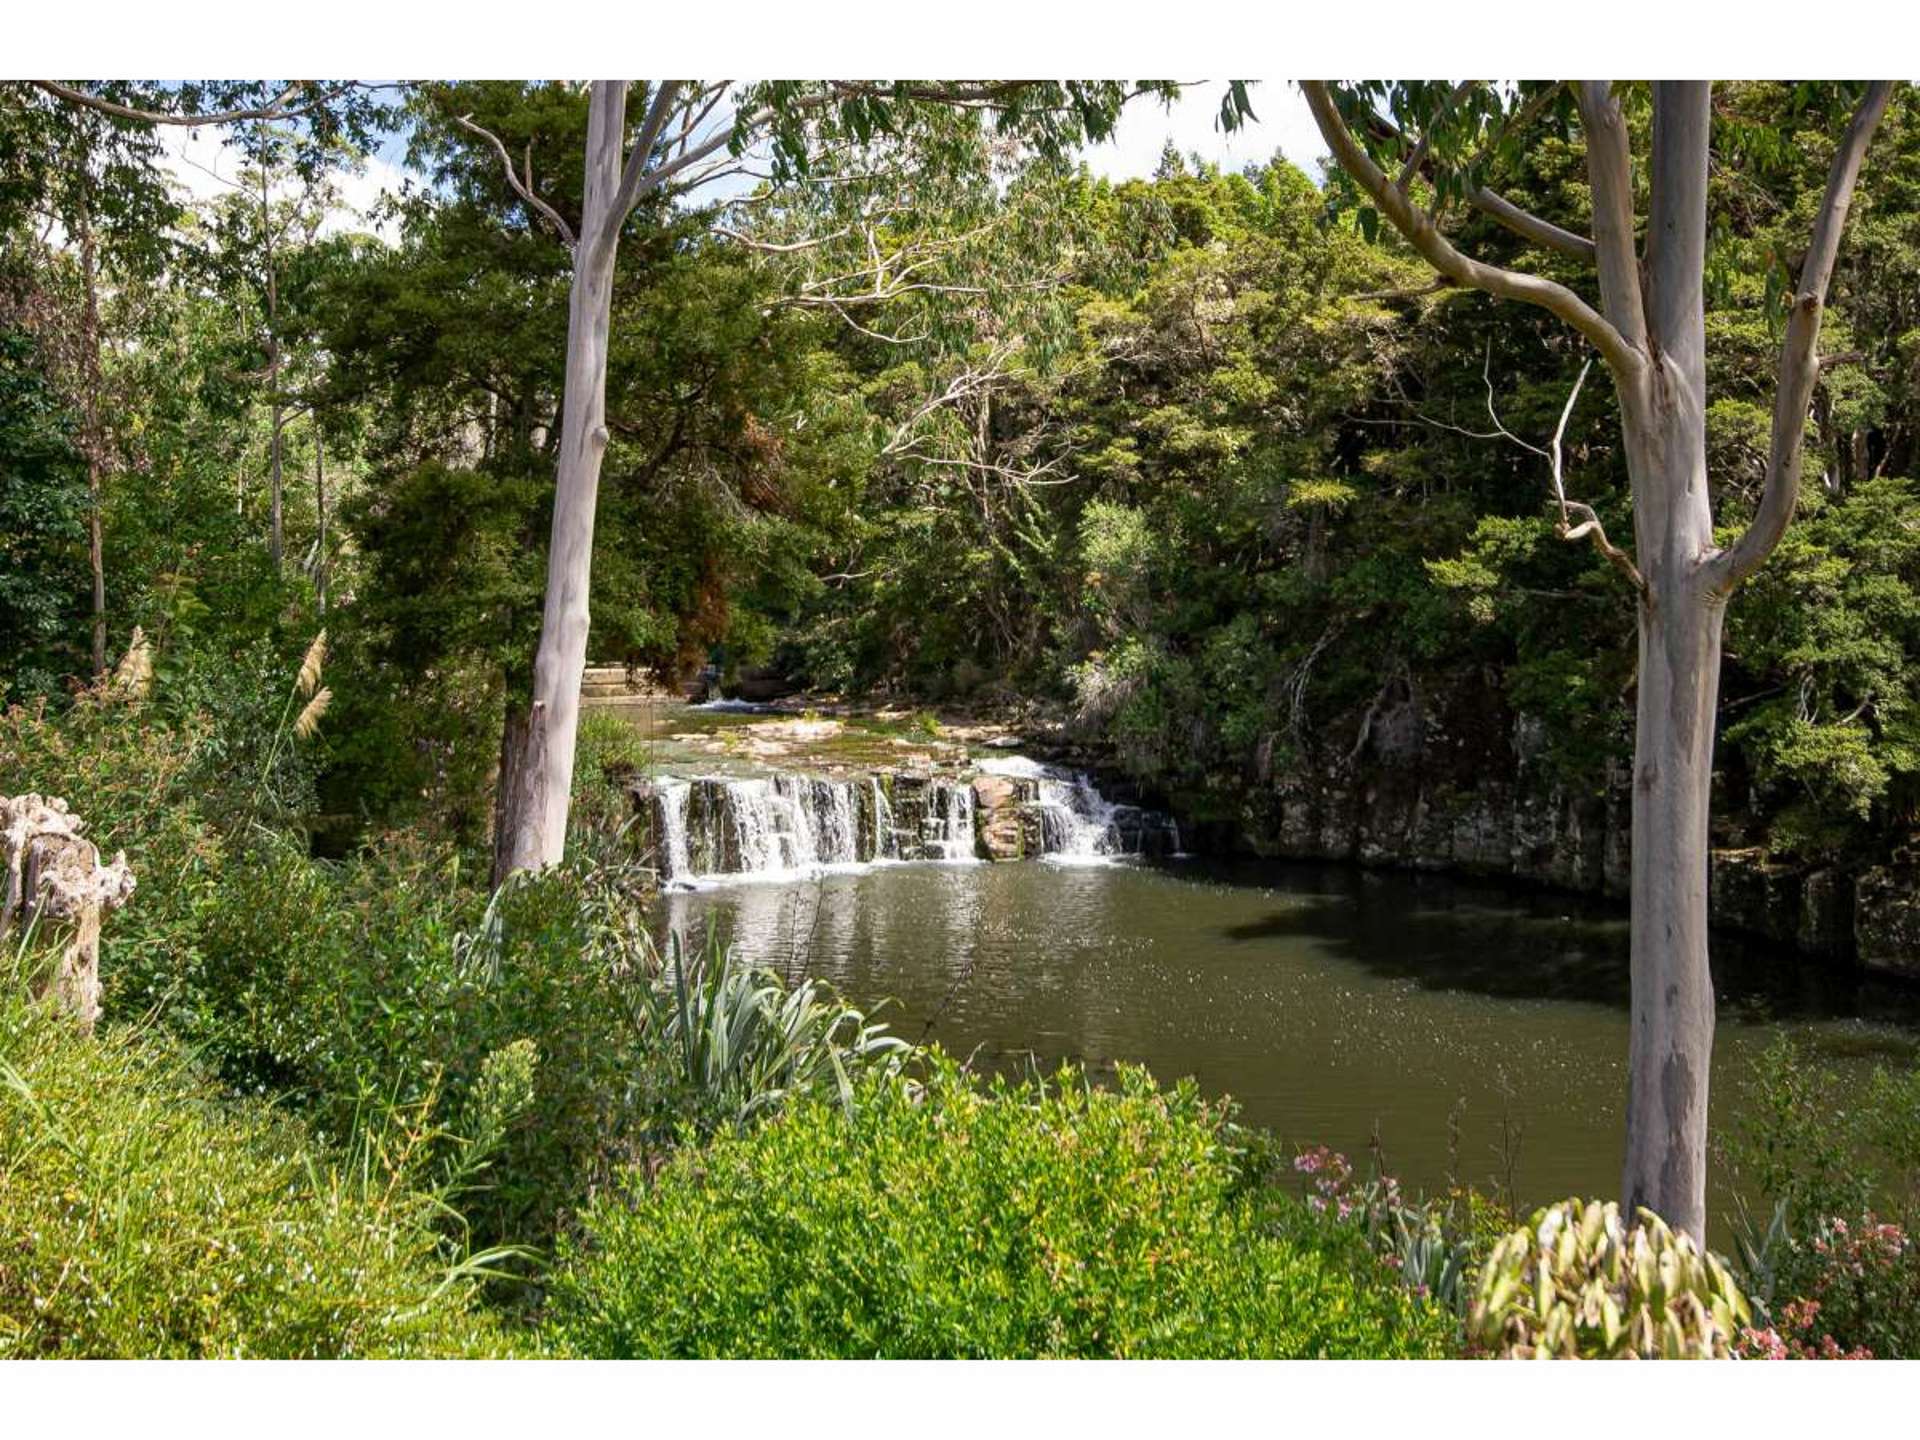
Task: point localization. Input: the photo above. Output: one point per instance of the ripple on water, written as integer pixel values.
(1331, 1004)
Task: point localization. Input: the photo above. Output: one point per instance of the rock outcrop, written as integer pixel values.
(1462, 785)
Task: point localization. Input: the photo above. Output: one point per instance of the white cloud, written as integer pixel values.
(1191, 123)
(204, 167)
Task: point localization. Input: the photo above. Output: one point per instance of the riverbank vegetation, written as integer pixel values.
(1208, 472)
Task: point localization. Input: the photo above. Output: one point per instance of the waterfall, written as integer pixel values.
(1077, 824)
(672, 803)
(783, 825)
(949, 823)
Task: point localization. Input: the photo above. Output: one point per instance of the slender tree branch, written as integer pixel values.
(277, 109)
(1523, 223)
(1624, 358)
(1588, 526)
(1529, 226)
(767, 247)
(1433, 287)
(1799, 361)
(1418, 155)
(1518, 121)
(634, 173)
(520, 187)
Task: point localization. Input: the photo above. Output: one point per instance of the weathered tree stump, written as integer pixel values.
(55, 880)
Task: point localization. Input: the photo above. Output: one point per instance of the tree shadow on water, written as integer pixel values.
(1513, 942)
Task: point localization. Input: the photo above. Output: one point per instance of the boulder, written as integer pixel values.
(1886, 919)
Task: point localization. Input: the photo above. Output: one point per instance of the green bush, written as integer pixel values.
(610, 754)
(731, 1041)
(381, 980)
(1843, 1290)
(1014, 1220)
(147, 1216)
(1819, 1147)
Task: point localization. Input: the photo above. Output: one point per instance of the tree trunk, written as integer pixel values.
(1671, 1047)
(320, 508)
(90, 358)
(533, 809)
(276, 534)
(1681, 613)
(53, 877)
(509, 784)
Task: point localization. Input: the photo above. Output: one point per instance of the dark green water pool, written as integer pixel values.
(1476, 1031)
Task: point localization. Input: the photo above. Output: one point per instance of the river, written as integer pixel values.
(1475, 1032)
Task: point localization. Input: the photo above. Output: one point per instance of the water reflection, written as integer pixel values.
(1477, 1032)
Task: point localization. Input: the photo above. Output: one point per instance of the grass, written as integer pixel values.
(149, 1215)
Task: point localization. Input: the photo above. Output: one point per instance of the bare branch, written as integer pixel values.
(1799, 362)
(1529, 226)
(767, 247)
(522, 188)
(1589, 526)
(1625, 359)
(277, 109)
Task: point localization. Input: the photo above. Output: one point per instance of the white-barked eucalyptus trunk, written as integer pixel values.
(1651, 330)
(542, 778)
(537, 777)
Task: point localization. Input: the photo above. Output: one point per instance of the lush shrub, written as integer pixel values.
(1016, 1220)
(1434, 1246)
(381, 980)
(1577, 1284)
(1838, 1166)
(610, 754)
(732, 1041)
(145, 1215)
(1855, 1293)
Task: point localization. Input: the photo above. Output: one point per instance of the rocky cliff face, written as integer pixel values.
(1461, 785)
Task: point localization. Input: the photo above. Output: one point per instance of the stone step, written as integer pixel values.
(642, 697)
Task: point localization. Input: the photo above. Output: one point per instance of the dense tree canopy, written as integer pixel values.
(1201, 460)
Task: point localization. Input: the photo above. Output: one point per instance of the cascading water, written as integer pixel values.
(670, 805)
(782, 825)
(1076, 823)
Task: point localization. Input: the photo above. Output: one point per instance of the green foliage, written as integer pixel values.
(731, 1042)
(1836, 616)
(1433, 1247)
(1818, 1148)
(149, 1216)
(43, 498)
(610, 755)
(1020, 1219)
(1855, 1289)
(1576, 1283)
(1835, 1276)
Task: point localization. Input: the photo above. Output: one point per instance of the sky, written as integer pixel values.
(1284, 124)
(204, 167)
